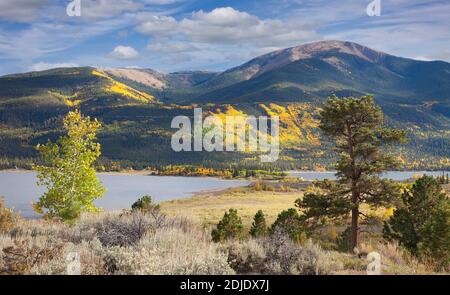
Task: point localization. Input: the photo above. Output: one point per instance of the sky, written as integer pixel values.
(176, 35)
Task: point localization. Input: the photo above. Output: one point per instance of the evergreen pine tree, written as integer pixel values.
(422, 224)
(259, 226)
(357, 126)
(230, 227)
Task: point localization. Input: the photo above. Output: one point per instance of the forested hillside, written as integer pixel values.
(137, 106)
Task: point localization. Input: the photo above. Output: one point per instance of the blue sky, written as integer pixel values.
(174, 35)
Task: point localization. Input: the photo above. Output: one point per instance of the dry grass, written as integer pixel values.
(175, 242)
(208, 209)
(395, 260)
(115, 243)
(112, 243)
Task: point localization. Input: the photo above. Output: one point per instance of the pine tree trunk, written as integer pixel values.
(355, 192)
(354, 238)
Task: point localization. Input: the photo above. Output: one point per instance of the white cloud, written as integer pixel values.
(34, 10)
(107, 8)
(211, 39)
(407, 28)
(227, 25)
(215, 39)
(158, 25)
(124, 52)
(225, 16)
(42, 66)
(21, 10)
(51, 31)
(94, 9)
(160, 2)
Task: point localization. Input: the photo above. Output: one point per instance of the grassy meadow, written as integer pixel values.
(208, 208)
(271, 197)
(176, 239)
(153, 243)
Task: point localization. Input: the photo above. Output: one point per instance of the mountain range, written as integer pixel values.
(291, 82)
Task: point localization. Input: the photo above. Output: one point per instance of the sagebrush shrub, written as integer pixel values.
(6, 217)
(124, 230)
(168, 251)
(285, 257)
(246, 257)
(20, 258)
(91, 263)
(278, 254)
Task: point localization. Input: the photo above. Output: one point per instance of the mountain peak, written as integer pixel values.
(327, 50)
(333, 46)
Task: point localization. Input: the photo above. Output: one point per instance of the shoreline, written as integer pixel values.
(133, 173)
(148, 172)
(124, 172)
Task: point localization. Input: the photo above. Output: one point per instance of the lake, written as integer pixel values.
(394, 175)
(20, 190)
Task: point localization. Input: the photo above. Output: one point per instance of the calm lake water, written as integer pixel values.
(394, 175)
(20, 190)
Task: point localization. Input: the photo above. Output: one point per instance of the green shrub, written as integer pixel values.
(344, 240)
(289, 222)
(436, 238)
(230, 227)
(144, 204)
(259, 226)
(422, 224)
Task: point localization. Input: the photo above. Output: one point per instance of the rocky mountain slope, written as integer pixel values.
(136, 105)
